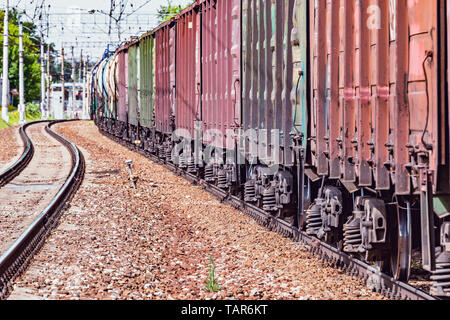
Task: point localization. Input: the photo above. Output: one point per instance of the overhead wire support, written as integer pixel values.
(5, 81)
(21, 77)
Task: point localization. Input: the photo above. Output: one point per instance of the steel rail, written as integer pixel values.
(17, 167)
(374, 278)
(18, 256)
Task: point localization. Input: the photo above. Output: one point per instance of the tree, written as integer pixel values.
(166, 13)
(32, 72)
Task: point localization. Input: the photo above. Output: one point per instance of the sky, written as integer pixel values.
(71, 25)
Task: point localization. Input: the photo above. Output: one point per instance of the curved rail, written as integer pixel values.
(17, 167)
(376, 280)
(17, 257)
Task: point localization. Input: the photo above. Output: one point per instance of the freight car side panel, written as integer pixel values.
(132, 85)
(111, 85)
(188, 72)
(122, 86)
(220, 68)
(275, 72)
(165, 78)
(146, 48)
(373, 130)
(104, 86)
(300, 68)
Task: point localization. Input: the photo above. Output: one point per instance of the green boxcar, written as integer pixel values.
(300, 68)
(147, 80)
(133, 72)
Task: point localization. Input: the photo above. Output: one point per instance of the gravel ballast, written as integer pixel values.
(24, 198)
(156, 242)
(11, 147)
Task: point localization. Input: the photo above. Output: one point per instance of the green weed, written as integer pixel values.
(212, 284)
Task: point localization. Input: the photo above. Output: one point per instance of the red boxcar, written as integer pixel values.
(165, 77)
(221, 65)
(374, 62)
(188, 77)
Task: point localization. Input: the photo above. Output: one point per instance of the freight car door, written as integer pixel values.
(188, 72)
(220, 69)
(132, 85)
(147, 81)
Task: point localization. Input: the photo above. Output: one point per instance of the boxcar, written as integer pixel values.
(147, 79)
(188, 81)
(133, 83)
(165, 40)
(122, 84)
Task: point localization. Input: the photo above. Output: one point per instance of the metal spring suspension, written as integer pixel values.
(222, 179)
(269, 201)
(182, 161)
(151, 147)
(191, 167)
(441, 280)
(352, 236)
(209, 174)
(161, 151)
(250, 191)
(313, 220)
(168, 154)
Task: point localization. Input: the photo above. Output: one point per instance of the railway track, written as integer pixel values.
(16, 168)
(375, 279)
(31, 208)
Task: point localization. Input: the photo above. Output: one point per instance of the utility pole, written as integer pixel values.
(85, 100)
(5, 64)
(80, 74)
(42, 53)
(63, 89)
(49, 80)
(21, 81)
(73, 86)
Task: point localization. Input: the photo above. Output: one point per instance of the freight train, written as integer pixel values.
(330, 115)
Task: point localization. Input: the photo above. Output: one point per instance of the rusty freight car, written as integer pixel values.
(379, 124)
(330, 116)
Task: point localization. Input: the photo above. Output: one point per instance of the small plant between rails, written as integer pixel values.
(211, 283)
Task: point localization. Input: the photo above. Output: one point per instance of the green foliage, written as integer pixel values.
(166, 13)
(212, 284)
(32, 72)
(33, 110)
(14, 117)
(3, 124)
(32, 113)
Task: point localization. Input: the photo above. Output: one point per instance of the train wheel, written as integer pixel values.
(401, 244)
